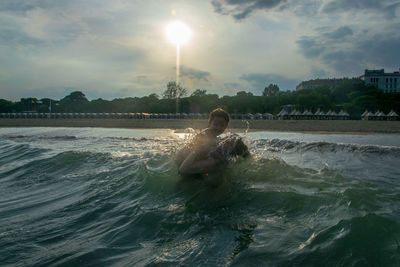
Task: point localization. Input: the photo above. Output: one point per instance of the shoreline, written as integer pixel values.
(304, 126)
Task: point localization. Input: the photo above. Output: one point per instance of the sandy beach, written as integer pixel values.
(332, 126)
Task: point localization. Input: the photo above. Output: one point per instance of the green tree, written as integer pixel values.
(271, 90)
(341, 91)
(199, 93)
(174, 91)
(6, 106)
(244, 102)
(27, 104)
(74, 102)
(100, 105)
(45, 105)
(314, 98)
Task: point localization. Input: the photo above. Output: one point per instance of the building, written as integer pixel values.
(318, 82)
(388, 82)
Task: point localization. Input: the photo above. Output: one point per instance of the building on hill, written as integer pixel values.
(317, 82)
(331, 83)
(388, 82)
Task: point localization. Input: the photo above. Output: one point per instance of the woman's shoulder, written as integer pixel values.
(202, 136)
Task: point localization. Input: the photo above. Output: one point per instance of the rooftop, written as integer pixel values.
(380, 72)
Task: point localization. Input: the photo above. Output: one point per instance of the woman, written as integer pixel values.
(205, 159)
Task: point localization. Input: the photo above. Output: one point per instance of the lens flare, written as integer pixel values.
(178, 33)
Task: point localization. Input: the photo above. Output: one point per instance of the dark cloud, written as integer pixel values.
(317, 72)
(345, 62)
(382, 50)
(344, 5)
(16, 5)
(241, 9)
(310, 47)
(193, 73)
(349, 56)
(391, 10)
(314, 46)
(304, 9)
(261, 80)
(387, 8)
(340, 33)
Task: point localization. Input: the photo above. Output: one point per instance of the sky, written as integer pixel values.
(117, 49)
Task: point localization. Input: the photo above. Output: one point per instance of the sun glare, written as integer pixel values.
(178, 33)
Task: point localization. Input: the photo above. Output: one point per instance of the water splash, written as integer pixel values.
(247, 127)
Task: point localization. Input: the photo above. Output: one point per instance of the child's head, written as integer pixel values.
(232, 146)
(218, 121)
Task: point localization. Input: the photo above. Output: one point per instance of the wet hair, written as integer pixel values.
(218, 112)
(233, 146)
(240, 149)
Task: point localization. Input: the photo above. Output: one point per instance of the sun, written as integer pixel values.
(178, 33)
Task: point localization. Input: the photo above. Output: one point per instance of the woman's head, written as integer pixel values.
(218, 121)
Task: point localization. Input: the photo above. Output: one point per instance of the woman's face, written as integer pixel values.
(217, 126)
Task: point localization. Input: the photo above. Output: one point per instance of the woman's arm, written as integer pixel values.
(192, 166)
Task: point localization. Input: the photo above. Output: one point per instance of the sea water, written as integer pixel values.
(113, 197)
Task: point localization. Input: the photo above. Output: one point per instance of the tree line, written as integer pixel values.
(353, 97)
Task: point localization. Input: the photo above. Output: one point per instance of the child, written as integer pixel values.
(202, 155)
(230, 147)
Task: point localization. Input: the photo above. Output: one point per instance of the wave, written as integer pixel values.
(93, 208)
(287, 145)
(39, 137)
(342, 241)
(30, 138)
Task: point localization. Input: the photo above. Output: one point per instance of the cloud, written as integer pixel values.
(241, 9)
(232, 85)
(310, 47)
(103, 46)
(339, 33)
(261, 80)
(194, 73)
(16, 5)
(317, 72)
(385, 8)
(393, 10)
(314, 46)
(348, 53)
(345, 5)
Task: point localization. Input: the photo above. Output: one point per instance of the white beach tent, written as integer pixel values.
(343, 115)
(379, 115)
(364, 115)
(294, 114)
(392, 115)
(282, 115)
(307, 115)
(370, 116)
